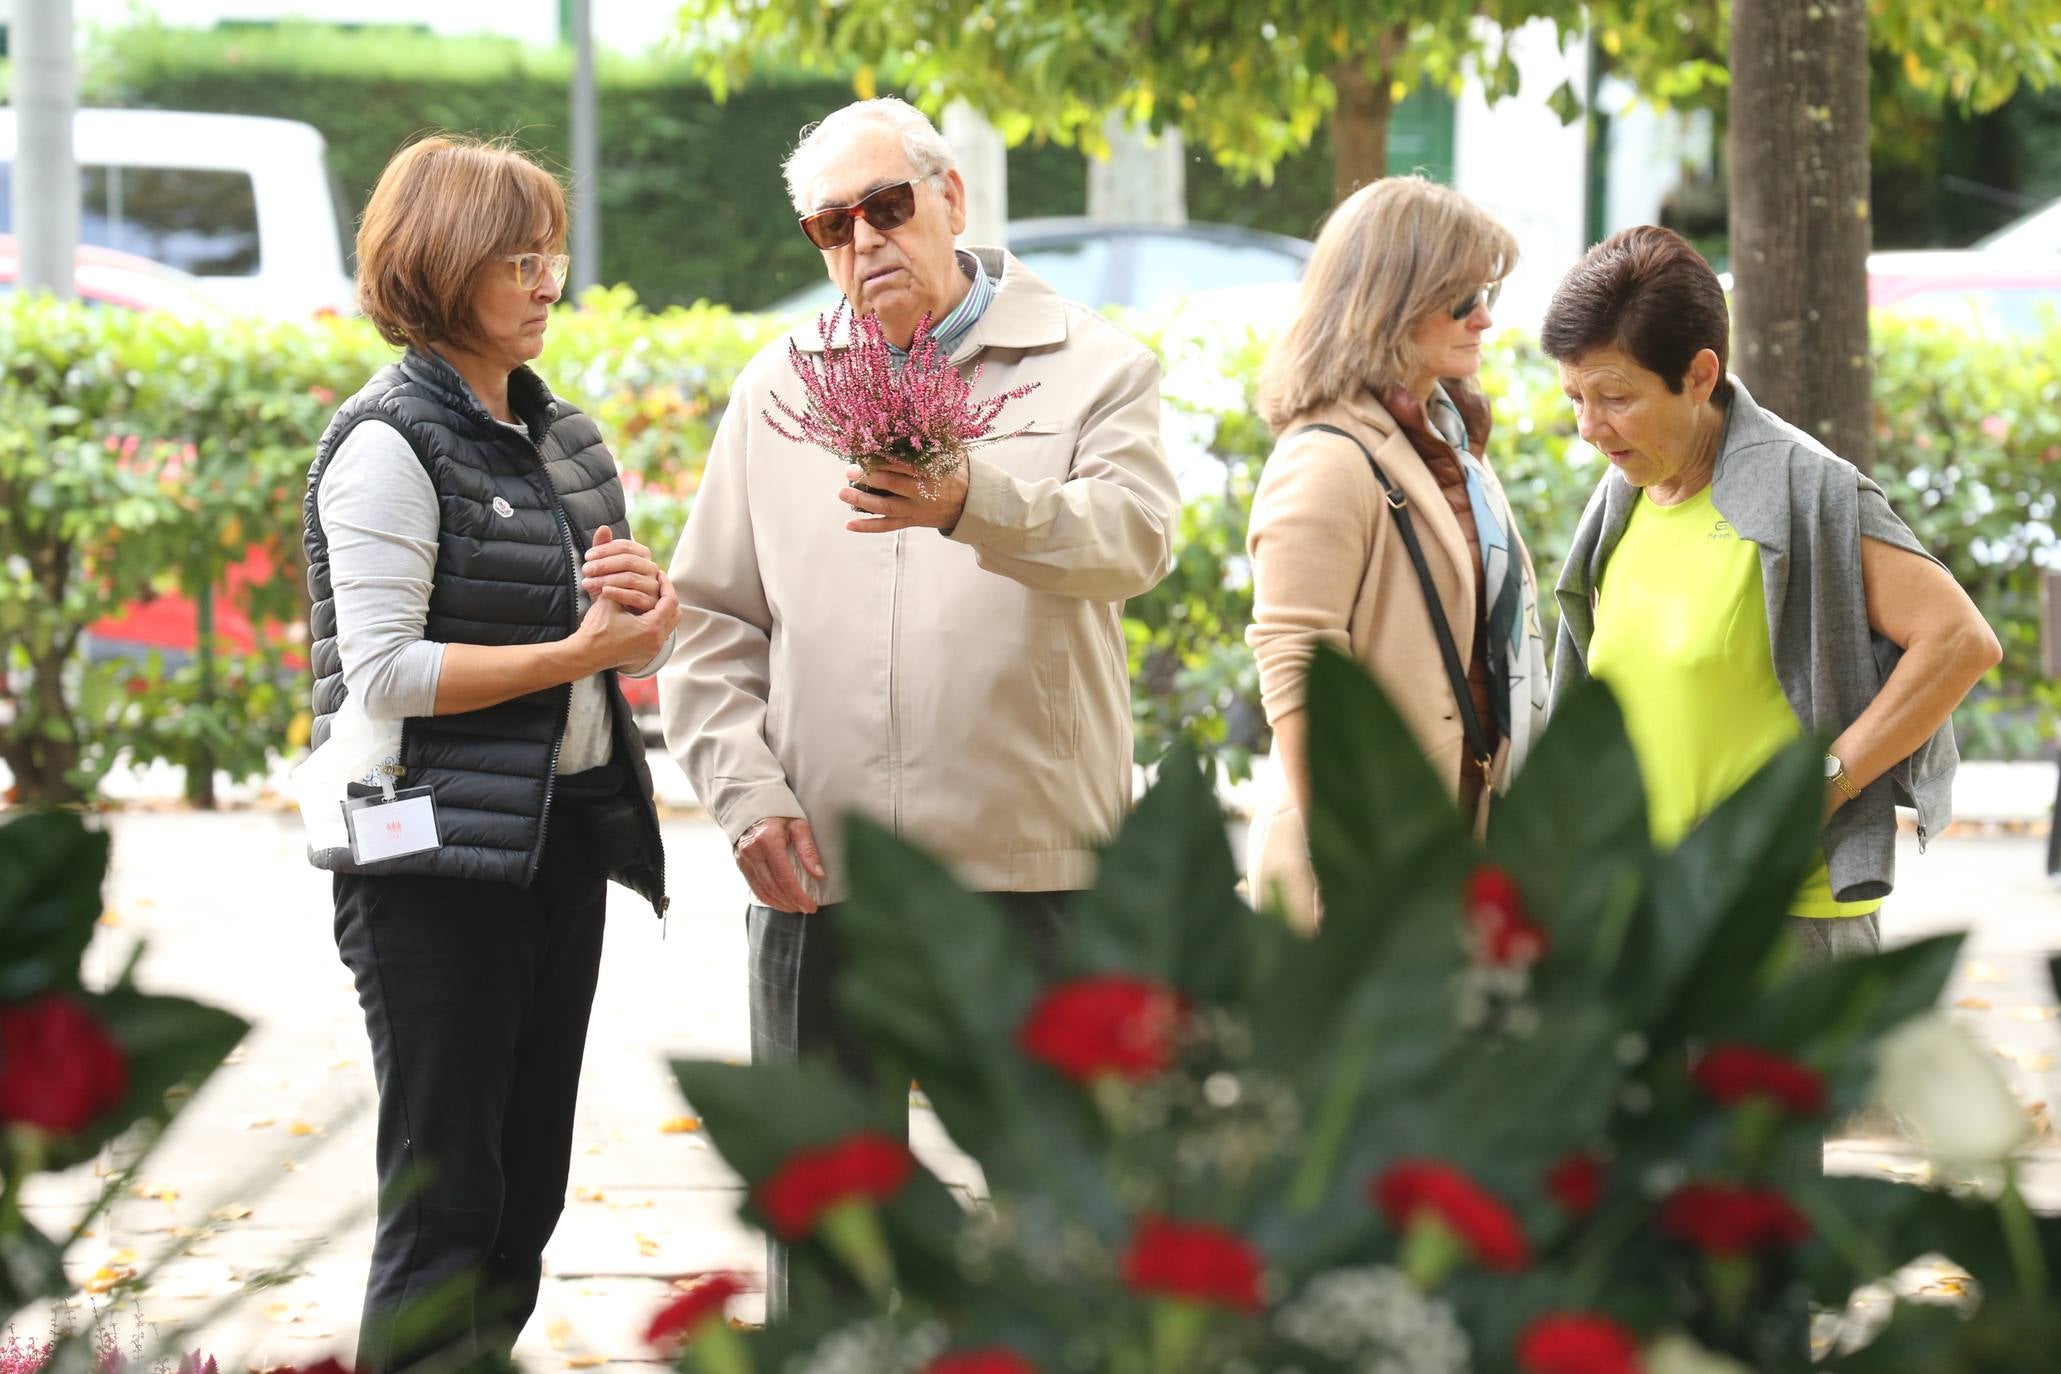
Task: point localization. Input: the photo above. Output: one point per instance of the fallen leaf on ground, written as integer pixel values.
(167, 1196)
(558, 1333)
(110, 917)
(341, 1064)
(235, 1211)
(2042, 1120)
(646, 1246)
(636, 1206)
(122, 1257)
(1973, 1004)
(680, 1125)
(2035, 1013)
(2039, 1061)
(303, 1128)
(261, 1123)
(586, 1361)
(292, 1166)
(589, 1195)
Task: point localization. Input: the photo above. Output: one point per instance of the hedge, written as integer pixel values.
(691, 199)
(143, 453)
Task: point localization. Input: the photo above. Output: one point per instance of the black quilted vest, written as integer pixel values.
(514, 517)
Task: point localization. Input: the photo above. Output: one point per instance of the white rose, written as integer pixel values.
(1677, 1354)
(1947, 1091)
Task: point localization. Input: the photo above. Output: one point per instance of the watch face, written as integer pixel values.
(1833, 767)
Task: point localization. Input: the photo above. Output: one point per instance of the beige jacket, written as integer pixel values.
(971, 691)
(1328, 567)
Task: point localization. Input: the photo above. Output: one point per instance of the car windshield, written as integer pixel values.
(199, 220)
(1169, 266)
(1077, 269)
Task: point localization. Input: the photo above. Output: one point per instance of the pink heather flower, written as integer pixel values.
(861, 407)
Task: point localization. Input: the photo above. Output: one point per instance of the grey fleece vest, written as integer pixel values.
(514, 519)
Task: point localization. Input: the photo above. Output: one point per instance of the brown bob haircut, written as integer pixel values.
(446, 207)
(1647, 292)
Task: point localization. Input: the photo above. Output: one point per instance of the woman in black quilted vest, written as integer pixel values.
(477, 592)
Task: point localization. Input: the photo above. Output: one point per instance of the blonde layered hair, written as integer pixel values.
(1389, 256)
(444, 209)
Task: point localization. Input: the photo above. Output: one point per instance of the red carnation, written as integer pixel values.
(676, 1322)
(1576, 1183)
(58, 1068)
(1411, 1187)
(1724, 1219)
(865, 1165)
(1572, 1343)
(1733, 1073)
(995, 1360)
(1193, 1261)
(1111, 1024)
(1502, 933)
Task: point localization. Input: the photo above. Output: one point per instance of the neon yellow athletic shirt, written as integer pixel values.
(1682, 639)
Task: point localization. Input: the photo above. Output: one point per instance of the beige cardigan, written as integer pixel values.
(1328, 567)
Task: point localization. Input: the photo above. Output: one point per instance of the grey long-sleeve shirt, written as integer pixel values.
(379, 514)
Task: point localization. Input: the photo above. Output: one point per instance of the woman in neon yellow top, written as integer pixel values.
(1735, 583)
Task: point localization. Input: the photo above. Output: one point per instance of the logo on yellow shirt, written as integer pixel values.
(1722, 530)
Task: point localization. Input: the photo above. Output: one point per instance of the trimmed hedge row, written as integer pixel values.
(146, 454)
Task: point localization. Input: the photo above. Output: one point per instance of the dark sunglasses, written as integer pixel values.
(1483, 295)
(888, 208)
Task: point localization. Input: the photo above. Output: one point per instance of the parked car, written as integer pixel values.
(2038, 232)
(246, 205)
(2018, 293)
(1138, 266)
(123, 281)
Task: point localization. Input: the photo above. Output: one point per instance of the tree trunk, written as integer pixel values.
(1800, 215)
(1359, 126)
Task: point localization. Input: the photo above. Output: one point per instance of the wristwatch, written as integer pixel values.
(1835, 773)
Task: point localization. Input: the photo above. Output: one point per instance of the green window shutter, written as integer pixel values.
(1420, 134)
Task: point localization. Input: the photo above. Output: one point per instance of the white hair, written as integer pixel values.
(928, 152)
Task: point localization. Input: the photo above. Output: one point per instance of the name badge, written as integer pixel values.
(403, 822)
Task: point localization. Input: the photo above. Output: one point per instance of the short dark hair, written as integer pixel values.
(1646, 291)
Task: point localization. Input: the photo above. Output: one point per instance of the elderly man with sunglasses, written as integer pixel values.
(950, 662)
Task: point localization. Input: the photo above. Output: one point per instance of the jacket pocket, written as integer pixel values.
(1054, 678)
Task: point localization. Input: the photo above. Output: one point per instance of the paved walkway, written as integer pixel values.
(273, 1160)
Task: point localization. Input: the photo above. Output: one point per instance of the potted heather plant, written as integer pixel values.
(1549, 1106)
(868, 407)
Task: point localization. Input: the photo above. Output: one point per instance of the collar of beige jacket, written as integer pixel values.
(1428, 504)
(1025, 313)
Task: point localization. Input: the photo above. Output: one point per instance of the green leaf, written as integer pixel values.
(1717, 902)
(1573, 831)
(1379, 808)
(51, 867)
(938, 982)
(1165, 902)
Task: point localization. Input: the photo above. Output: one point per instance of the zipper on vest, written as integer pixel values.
(572, 554)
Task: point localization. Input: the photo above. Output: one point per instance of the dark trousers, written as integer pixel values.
(476, 996)
(796, 962)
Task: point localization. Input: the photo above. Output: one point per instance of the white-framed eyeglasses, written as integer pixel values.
(531, 267)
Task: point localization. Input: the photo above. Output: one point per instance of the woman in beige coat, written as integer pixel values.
(1381, 435)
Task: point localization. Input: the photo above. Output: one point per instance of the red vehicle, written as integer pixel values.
(167, 623)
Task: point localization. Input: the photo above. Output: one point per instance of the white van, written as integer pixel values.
(247, 205)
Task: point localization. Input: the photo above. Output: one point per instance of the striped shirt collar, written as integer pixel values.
(953, 329)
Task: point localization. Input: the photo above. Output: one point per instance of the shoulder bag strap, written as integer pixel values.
(1399, 503)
